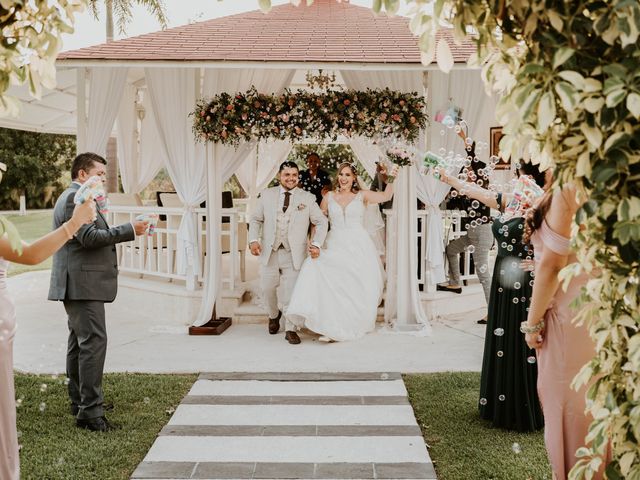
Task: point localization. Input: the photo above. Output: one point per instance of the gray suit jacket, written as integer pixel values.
(86, 267)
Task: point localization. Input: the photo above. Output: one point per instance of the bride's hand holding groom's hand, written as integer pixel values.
(314, 252)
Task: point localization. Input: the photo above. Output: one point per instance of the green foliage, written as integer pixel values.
(31, 38)
(123, 11)
(569, 78)
(296, 115)
(331, 155)
(38, 167)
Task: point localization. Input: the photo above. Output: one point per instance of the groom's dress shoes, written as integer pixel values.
(292, 337)
(99, 424)
(274, 324)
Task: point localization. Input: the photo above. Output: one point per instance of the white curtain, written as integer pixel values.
(173, 93)
(260, 167)
(223, 161)
(105, 92)
(403, 309)
(367, 152)
(140, 155)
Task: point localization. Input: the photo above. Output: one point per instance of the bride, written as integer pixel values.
(338, 292)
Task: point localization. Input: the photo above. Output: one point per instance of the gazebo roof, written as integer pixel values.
(325, 32)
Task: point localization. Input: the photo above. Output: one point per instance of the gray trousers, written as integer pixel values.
(86, 352)
(481, 238)
(278, 272)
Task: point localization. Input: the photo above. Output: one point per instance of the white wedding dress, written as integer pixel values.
(337, 294)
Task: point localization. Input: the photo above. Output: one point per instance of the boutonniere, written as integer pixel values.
(302, 206)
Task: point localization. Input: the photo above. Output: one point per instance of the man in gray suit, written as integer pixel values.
(279, 234)
(84, 276)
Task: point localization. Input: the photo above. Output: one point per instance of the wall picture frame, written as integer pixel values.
(495, 134)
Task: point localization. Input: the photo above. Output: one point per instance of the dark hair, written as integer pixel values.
(535, 216)
(336, 183)
(313, 154)
(528, 168)
(288, 164)
(85, 162)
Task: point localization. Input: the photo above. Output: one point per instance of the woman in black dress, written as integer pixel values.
(508, 394)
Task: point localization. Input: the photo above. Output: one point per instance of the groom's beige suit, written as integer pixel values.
(283, 237)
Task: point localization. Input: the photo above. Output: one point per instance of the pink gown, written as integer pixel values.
(566, 349)
(9, 460)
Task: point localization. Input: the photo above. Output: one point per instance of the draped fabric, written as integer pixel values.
(260, 167)
(105, 92)
(367, 153)
(173, 94)
(403, 309)
(140, 155)
(222, 161)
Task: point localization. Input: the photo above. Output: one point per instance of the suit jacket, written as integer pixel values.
(86, 267)
(304, 212)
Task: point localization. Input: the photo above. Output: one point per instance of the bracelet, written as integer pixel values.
(65, 227)
(525, 328)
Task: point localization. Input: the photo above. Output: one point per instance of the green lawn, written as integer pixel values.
(31, 227)
(462, 445)
(54, 448)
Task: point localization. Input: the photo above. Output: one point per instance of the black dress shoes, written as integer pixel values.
(98, 424)
(446, 288)
(292, 337)
(274, 324)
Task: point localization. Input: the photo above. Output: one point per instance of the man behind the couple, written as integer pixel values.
(336, 290)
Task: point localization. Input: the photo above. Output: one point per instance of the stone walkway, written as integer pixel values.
(291, 425)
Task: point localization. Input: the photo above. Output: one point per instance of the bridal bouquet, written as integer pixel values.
(398, 157)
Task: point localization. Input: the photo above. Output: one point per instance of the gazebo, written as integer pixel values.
(143, 89)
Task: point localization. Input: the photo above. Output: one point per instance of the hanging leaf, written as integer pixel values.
(592, 134)
(568, 95)
(296, 3)
(633, 104)
(444, 56)
(265, 5)
(546, 111)
(392, 7)
(583, 166)
(574, 78)
(377, 6)
(555, 19)
(561, 56)
(428, 48)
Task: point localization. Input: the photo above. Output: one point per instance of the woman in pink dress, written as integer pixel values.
(31, 254)
(563, 347)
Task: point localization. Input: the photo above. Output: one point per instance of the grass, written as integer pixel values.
(31, 227)
(461, 444)
(54, 448)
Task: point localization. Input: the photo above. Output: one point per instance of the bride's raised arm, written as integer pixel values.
(371, 197)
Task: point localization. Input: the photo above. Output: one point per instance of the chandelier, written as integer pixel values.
(321, 81)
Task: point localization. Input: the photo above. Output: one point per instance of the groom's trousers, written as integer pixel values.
(279, 271)
(86, 352)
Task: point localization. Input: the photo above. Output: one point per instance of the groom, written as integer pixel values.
(279, 231)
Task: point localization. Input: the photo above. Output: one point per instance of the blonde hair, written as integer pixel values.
(355, 187)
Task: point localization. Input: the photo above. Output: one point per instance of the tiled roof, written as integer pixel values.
(327, 31)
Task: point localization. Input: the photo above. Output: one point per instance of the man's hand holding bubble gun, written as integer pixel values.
(151, 219)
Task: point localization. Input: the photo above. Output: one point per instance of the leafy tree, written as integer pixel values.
(124, 15)
(38, 167)
(31, 39)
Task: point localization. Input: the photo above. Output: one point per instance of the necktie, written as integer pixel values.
(287, 196)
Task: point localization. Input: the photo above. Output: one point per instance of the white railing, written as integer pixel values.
(156, 255)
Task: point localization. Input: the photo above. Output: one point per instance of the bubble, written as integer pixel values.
(517, 285)
(457, 129)
(475, 204)
(43, 387)
(501, 398)
(531, 359)
(471, 249)
(146, 400)
(19, 402)
(523, 299)
(509, 248)
(483, 401)
(498, 332)
(384, 376)
(472, 213)
(442, 133)
(67, 380)
(42, 407)
(531, 283)
(500, 289)
(516, 448)
(503, 244)
(484, 218)
(500, 353)
(515, 300)
(454, 193)
(442, 151)
(482, 268)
